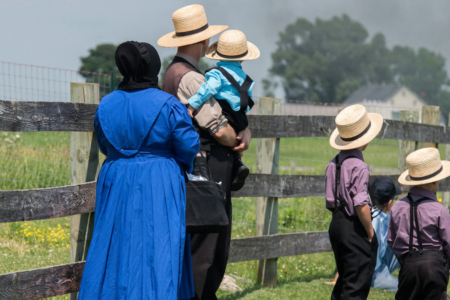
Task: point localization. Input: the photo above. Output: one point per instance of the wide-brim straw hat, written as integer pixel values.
(424, 166)
(191, 26)
(232, 45)
(355, 128)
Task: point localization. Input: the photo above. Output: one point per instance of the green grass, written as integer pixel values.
(39, 160)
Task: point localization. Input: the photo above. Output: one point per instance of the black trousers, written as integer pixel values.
(355, 257)
(210, 251)
(423, 277)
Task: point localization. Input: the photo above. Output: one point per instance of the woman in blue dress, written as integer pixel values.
(139, 248)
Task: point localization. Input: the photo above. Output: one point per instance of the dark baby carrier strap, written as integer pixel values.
(246, 100)
(414, 219)
(337, 181)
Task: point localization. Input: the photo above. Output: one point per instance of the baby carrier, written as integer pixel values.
(237, 119)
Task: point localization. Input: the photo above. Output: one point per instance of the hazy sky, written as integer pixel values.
(56, 33)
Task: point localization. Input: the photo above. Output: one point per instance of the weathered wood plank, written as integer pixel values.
(40, 204)
(41, 283)
(278, 245)
(267, 161)
(430, 116)
(84, 167)
(64, 279)
(65, 116)
(46, 116)
(322, 126)
(406, 147)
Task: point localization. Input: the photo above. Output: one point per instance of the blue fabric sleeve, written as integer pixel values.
(100, 136)
(186, 142)
(208, 89)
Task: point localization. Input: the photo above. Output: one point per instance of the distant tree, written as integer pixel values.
(327, 60)
(100, 60)
(423, 71)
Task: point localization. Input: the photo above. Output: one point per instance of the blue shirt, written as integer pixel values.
(219, 87)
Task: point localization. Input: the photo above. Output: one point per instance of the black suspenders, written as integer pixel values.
(336, 185)
(337, 181)
(242, 89)
(413, 219)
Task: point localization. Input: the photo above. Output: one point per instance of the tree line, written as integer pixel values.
(327, 60)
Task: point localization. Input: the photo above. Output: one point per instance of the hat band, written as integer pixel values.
(357, 136)
(191, 32)
(232, 56)
(428, 176)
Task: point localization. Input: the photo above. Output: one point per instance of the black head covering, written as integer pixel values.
(139, 64)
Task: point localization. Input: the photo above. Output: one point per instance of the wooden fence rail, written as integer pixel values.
(66, 116)
(38, 204)
(41, 204)
(64, 279)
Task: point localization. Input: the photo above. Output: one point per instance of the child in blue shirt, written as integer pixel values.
(231, 86)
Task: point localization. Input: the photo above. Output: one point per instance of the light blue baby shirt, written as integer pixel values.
(219, 87)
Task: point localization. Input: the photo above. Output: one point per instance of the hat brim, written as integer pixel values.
(406, 180)
(376, 122)
(171, 40)
(253, 53)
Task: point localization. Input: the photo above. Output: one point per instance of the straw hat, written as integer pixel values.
(355, 128)
(232, 45)
(191, 27)
(424, 166)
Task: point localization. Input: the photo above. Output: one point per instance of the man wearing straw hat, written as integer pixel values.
(218, 139)
(419, 229)
(346, 181)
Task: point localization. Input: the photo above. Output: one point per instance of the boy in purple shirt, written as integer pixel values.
(419, 229)
(347, 178)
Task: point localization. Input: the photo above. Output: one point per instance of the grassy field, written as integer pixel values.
(38, 160)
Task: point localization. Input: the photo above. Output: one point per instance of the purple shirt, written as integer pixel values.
(434, 224)
(354, 181)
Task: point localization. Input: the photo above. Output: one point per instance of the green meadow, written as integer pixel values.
(40, 160)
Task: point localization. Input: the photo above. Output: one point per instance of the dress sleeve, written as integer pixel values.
(186, 142)
(207, 90)
(100, 136)
(359, 189)
(444, 231)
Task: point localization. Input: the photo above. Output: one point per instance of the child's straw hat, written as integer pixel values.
(191, 27)
(355, 128)
(232, 45)
(424, 166)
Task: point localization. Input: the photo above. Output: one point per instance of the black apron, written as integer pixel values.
(355, 256)
(423, 274)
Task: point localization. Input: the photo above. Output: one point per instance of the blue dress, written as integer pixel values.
(140, 249)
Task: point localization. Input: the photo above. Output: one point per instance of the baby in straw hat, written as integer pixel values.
(419, 229)
(346, 182)
(231, 86)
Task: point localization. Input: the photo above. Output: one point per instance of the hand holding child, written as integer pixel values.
(191, 111)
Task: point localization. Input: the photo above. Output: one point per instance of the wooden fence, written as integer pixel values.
(79, 199)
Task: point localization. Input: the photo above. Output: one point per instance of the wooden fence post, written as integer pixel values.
(430, 116)
(267, 157)
(406, 147)
(446, 195)
(84, 167)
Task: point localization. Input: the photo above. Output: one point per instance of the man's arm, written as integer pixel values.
(209, 115)
(365, 216)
